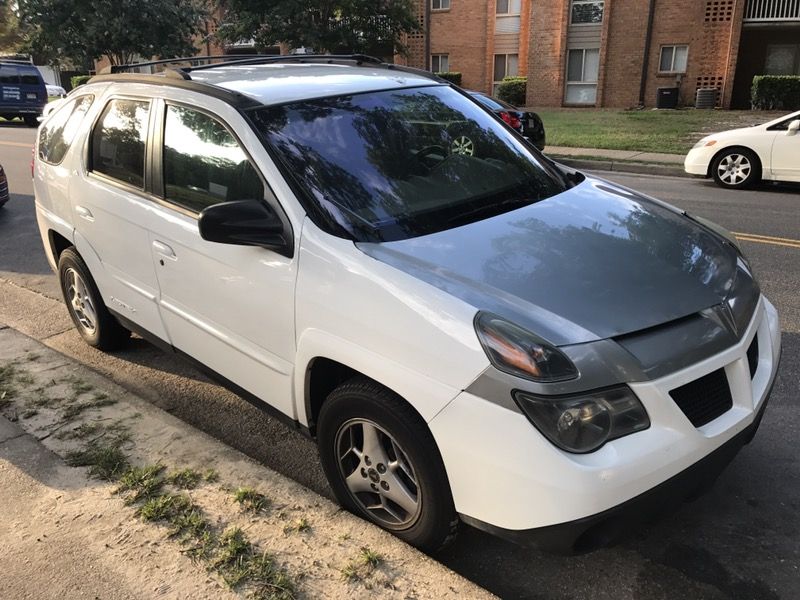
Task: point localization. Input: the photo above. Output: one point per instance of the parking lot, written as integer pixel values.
(739, 541)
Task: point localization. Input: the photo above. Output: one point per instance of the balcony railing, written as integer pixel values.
(772, 10)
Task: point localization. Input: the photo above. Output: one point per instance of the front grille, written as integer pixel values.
(752, 357)
(704, 399)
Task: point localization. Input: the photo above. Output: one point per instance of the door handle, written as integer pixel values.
(164, 250)
(84, 213)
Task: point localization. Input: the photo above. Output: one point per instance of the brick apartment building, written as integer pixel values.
(610, 53)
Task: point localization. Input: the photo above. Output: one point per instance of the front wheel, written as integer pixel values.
(736, 168)
(383, 464)
(94, 322)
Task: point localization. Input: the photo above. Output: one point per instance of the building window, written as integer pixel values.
(782, 59)
(508, 7)
(583, 65)
(440, 63)
(440, 4)
(505, 65)
(587, 12)
(673, 59)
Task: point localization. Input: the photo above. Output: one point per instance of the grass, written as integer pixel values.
(139, 483)
(251, 500)
(670, 131)
(362, 565)
(105, 460)
(299, 525)
(8, 388)
(186, 479)
(165, 507)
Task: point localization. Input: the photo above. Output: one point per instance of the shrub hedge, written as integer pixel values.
(513, 90)
(776, 92)
(79, 80)
(451, 76)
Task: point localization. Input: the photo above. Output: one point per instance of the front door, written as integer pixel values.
(786, 155)
(229, 307)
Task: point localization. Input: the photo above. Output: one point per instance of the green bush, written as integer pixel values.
(79, 80)
(776, 92)
(512, 90)
(451, 76)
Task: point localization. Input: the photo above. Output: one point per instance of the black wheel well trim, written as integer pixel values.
(58, 243)
(710, 172)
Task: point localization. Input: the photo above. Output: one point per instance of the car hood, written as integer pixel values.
(594, 262)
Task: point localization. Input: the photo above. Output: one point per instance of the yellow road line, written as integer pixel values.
(767, 237)
(766, 240)
(19, 144)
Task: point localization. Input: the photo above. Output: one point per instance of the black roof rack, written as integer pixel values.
(184, 59)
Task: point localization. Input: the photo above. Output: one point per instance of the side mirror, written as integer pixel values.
(794, 127)
(245, 223)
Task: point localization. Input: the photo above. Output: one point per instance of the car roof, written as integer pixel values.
(278, 83)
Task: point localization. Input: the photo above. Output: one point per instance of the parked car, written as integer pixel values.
(529, 124)
(3, 186)
(468, 331)
(22, 92)
(740, 158)
(55, 91)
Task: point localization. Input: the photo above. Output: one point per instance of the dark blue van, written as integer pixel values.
(22, 92)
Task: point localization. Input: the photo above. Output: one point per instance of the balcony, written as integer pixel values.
(771, 11)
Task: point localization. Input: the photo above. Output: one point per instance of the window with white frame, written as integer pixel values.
(508, 7)
(440, 63)
(440, 4)
(587, 12)
(583, 66)
(505, 65)
(673, 59)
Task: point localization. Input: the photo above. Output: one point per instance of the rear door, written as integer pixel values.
(229, 307)
(32, 88)
(112, 211)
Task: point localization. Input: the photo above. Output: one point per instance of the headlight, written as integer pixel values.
(583, 423)
(704, 142)
(516, 351)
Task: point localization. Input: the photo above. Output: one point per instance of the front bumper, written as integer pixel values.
(507, 479)
(697, 161)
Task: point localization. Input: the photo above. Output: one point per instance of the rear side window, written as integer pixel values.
(8, 75)
(203, 162)
(58, 132)
(119, 140)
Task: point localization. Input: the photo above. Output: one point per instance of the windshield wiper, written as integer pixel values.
(490, 209)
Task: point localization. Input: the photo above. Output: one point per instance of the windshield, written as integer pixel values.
(397, 164)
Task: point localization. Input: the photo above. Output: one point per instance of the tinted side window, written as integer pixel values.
(203, 162)
(29, 76)
(9, 74)
(58, 132)
(118, 141)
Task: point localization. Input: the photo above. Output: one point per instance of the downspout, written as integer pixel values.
(646, 58)
(427, 13)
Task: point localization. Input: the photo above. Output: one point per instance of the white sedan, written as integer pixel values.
(742, 157)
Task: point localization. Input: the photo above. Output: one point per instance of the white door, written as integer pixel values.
(229, 307)
(786, 155)
(112, 213)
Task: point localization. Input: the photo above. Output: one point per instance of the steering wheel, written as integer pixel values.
(425, 154)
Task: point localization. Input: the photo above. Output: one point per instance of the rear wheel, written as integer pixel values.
(31, 120)
(383, 464)
(94, 322)
(736, 168)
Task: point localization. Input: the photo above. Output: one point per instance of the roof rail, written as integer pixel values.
(331, 58)
(183, 59)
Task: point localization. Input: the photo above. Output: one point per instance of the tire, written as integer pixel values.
(736, 168)
(94, 322)
(393, 464)
(30, 121)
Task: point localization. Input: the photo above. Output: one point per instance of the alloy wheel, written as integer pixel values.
(734, 169)
(462, 145)
(378, 473)
(80, 302)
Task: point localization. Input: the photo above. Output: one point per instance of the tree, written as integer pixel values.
(83, 30)
(10, 38)
(324, 25)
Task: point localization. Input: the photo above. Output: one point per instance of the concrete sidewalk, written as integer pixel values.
(76, 532)
(626, 161)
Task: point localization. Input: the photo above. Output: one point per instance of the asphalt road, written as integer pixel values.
(740, 541)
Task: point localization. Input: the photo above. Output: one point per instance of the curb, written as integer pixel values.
(622, 167)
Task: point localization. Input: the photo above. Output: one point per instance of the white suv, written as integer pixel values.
(470, 332)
